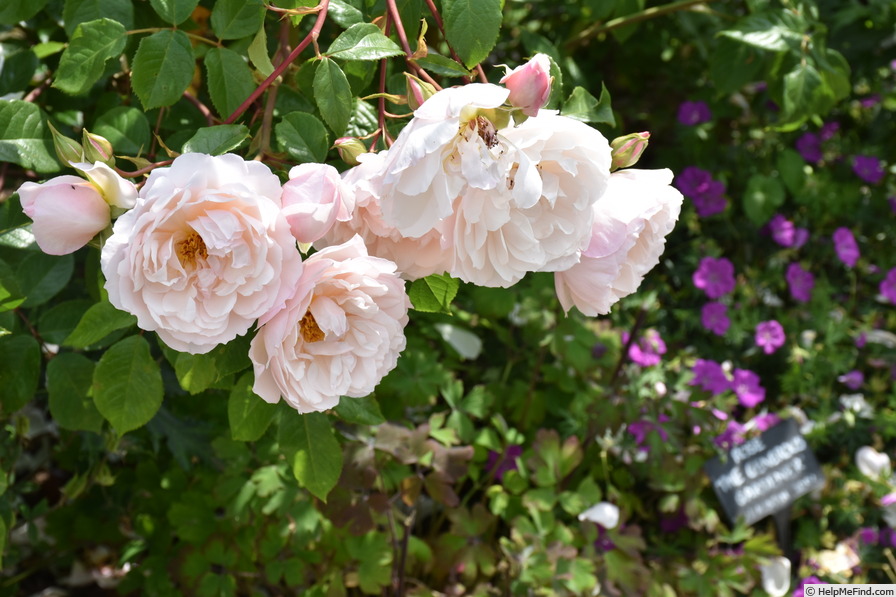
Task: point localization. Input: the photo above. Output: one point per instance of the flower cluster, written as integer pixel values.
(707, 194)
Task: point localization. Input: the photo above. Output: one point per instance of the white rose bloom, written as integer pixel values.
(776, 576)
(415, 257)
(628, 235)
(204, 253)
(338, 334)
(603, 513)
(872, 463)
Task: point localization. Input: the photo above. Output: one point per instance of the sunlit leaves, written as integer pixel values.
(318, 456)
(84, 60)
(174, 11)
(163, 68)
(81, 11)
(472, 27)
(249, 415)
(333, 95)
(363, 41)
(229, 79)
(233, 19)
(25, 138)
(434, 293)
(303, 137)
(215, 140)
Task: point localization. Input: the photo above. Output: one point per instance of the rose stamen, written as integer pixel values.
(191, 249)
(311, 332)
(486, 131)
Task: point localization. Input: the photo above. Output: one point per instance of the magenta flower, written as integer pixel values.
(647, 350)
(870, 101)
(799, 592)
(766, 421)
(693, 113)
(852, 379)
(641, 428)
(809, 146)
(707, 194)
(846, 247)
(769, 336)
(868, 168)
(800, 236)
(714, 276)
(710, 376)
(499, 463)
(888, 286)
(783, 231)
(828, 130)
(868, 535)
(714, 317)
(800, 282)
(747, 388)
(732, 436)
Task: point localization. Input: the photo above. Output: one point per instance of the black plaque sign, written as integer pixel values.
(764, 475)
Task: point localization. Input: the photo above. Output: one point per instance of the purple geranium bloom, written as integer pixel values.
(870, 101)
(800, 236)
(799, 592)
(714, 317)
(746, 385)
(714, 276)
(809, 146)
(691, 113)
(888, 286)
(707, 194)
(852, 380)
(766, 421)
(846, 247)
(641, 428)
(868, 168)
(828, 130)
(732, 436)
(783, 231)
(801, 282)
(769, 336)
(674, 522)
(710, 376)
(869, 535)
(647, 349)
(502, 463)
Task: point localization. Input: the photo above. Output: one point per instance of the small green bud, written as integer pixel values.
(68, 150)
(97, 149)
(349, 148)
(418, 91)
(628, 149)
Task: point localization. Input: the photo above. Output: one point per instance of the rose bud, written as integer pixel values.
(529, 84)
(627, 150)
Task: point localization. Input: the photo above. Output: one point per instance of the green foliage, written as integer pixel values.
(174, 11)
(24, 137)
(316, 454)
(472, 27)
(163, 68)
(215, 140)
(127, 385)
(362, 41)
(84, 60)
(229, 79)
(303, 137)
(333, 95)
(433, 294)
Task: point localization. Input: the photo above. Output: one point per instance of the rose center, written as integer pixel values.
(311, 332)
(191, 249)
(486, 131)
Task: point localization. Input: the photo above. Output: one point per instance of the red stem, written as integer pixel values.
(201, 107)
(144, 170)
(311, 37)
(441, 25)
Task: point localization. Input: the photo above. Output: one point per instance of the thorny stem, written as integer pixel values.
(279, 70)
(584, 36)
(201, 107)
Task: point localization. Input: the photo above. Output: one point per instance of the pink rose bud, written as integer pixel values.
(67, 211)
(313, 199)
(115, 190)
(627, 150)
(349, 149)
(530, 84)
(97, 149)
(418, 91)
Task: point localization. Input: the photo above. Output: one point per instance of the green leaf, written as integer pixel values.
(762, 198)
(764, 32)
(318, 458)
(162, 68)
(434, 293)
(126, 128)
(10, 294)
(195, 372)
(258, 53)
(42, 276)
(733, 65)
(13, 11)
(333, 95)
(17, 70)
(230, 80)
(362, 411)
(233, 19)
(249, 415)
(58, 322)
(790, 168)
(69, 377)
(442, 65)
(363, 41)
(174, 11)
(127, 385)
(583, 106)
(472, 27)
(215, 140)
(25, 138)
(81, 11)
(19, 371)
(344, 13)
(800, 86)
(84, 60)
(303, 137)
(99, 321)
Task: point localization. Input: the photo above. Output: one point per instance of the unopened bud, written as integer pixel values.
(529, 84)
(67, 149)
(349, 149)
(628, 149)
(97, 149)
(418, 91)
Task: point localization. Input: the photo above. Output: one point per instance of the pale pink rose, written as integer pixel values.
(414, 257)
(529, 84)
(338, 334)
(67, 211)
(117, 191)
(555, 169)
(628, 236)
(204, 253)
(314, 198)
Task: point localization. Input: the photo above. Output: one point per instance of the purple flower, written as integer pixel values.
(766, 421)
(769, 336)
(809, 146)
(800, 236)
(641, 428)
(714, 276)
(732, 436)
(783, 231)
(846, 247)
(808, 580)
(828, 130)
(888, 286)
(868, 535)
(870, 101)
(691, 113)
(503, 463)
(892, 202)
(800, 282)
(888, 500)
(852, 380)
(707, 194)
(674, 522)
(710, 376)
(714, 317)
(647, 349)
(746, 385)
(868, 168)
